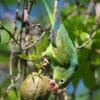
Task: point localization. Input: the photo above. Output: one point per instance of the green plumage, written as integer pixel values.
(62, 75)
(61, 51)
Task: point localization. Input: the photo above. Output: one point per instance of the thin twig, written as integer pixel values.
(10, 34)
(55, 7)
(25, 12)
(65, 94)
(11, 56)
(23, 18)
(18, 4)
(92, 35)
(61, 94)
(19, 70)
(30, 8)
(15, 29)
(35, 42)
(10, 71)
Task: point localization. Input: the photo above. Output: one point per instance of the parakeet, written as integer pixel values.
(61, 51)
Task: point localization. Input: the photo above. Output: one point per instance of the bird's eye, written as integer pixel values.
(62, 81)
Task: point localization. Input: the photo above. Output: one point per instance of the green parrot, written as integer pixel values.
(61, 51)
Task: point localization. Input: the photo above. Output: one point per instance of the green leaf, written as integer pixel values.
(85, 69)
(11, 2)
(4, 36)
(12, 95)
(42, 45)
(23, 56)
(88, 77)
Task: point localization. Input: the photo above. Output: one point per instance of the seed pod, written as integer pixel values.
(35, 87)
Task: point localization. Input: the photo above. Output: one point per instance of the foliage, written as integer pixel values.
(80, 27)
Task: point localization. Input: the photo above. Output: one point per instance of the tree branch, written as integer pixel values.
(35, 42)
(92, 35)
(10, 34)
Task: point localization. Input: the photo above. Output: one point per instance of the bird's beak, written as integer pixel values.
(53, 86)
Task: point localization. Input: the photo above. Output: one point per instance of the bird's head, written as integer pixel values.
(61, 77)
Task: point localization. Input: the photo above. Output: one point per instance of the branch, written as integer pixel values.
(25, 12)
(35, 42)
(55, 7)
(92, 35)
(17, 10)
(10, 34)
(61, 94)
(31, 4)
